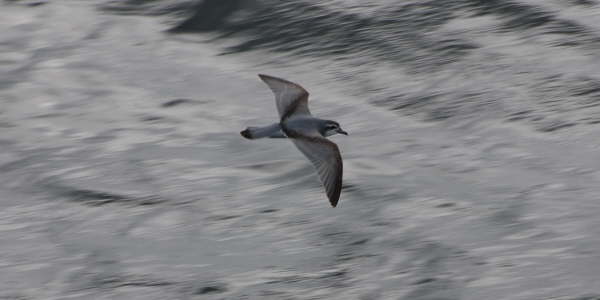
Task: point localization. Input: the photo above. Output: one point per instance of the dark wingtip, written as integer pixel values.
(265, 77)
(246, 134)
(334, 199)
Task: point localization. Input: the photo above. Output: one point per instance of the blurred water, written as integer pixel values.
(471, 169)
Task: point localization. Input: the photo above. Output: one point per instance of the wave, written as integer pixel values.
(308, 29)
(436, 40)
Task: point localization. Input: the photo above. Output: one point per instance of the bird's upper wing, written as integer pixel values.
(325, 156)
(291, 98)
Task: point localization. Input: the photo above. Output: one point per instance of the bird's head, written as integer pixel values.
(329, 128)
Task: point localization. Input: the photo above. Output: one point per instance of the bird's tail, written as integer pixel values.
(271, 131)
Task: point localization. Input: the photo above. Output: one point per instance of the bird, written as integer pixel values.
(309, 134)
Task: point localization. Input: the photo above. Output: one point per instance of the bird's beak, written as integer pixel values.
(340, 131)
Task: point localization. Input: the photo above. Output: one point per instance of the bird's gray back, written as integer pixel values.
(305, 125)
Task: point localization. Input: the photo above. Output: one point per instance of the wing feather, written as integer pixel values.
(290, 98)
(326, 158)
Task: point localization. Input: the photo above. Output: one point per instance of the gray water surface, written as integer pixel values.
(471, 168)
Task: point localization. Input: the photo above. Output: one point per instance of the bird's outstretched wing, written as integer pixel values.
(325, 156)
(291, 98)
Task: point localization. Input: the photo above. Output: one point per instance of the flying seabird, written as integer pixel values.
(305, 131)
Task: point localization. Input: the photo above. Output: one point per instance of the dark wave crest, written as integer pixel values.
(301, 28)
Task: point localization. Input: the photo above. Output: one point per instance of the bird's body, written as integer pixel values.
(305, 131)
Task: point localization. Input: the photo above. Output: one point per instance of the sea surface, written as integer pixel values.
(472, 165)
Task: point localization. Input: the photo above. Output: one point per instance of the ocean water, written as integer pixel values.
(472, 163)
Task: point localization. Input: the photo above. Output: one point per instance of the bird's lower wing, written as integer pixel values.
(326, 158)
